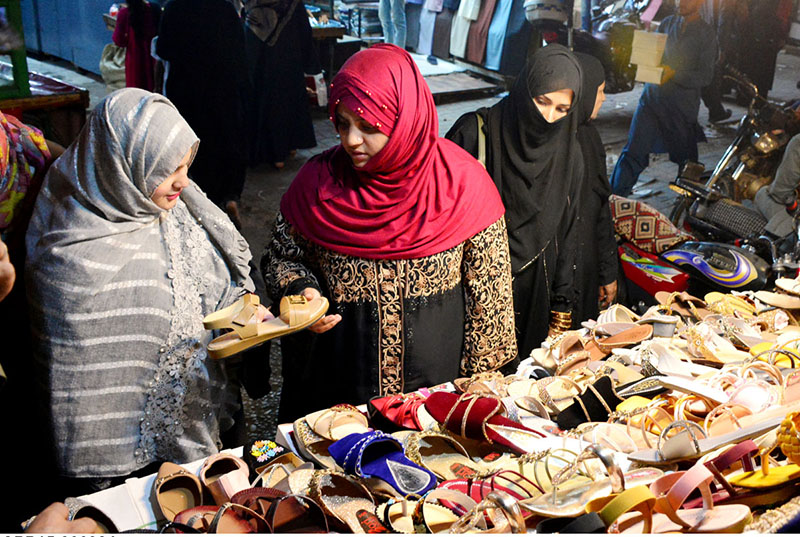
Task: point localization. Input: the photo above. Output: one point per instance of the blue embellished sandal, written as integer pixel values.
(379, 458)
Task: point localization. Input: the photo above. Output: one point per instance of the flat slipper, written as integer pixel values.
(224, 475)
(790, 285)
(296, 313)
(377, 456)
(176, 490)
(779, 300)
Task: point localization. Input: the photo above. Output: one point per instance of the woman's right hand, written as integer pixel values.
(327, 322)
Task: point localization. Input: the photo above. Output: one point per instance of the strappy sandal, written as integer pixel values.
(397, 412)
(338, 421)
(570, 501)
(684, 304)
(768, 485)
(503, 512)
(296, 313)
(437, 511)
(507, 481)
(562, 353)
(312, 446)
(226, 518)
(282, 511)
(556, 393)
(609, 336)
(441, 454)
(691, 443)
(481, 418)
(728, 304)
(595, 404)
(672, 491)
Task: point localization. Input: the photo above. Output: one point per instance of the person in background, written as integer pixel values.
(203, 41)
(403, 232)
(533, 156)
(764, 27)
(596, 266)
(126, 256)
(392, 14)
(721, 16)
(280, 52)
(666, 118)
(137, 25)
(773, 200)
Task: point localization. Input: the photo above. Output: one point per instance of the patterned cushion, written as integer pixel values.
(644, 226)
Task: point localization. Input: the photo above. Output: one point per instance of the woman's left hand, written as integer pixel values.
(607, 294)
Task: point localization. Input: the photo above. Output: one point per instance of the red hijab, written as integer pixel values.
(418, 196)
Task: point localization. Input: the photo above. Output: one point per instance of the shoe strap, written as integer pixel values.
(672, 490)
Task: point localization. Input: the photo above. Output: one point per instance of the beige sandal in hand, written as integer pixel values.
(246, 331)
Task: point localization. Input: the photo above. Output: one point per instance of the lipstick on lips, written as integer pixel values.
(174, 196)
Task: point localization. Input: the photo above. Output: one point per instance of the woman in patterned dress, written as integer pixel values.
(403, 232)
(125, 257)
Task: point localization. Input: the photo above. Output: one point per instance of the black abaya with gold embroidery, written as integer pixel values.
(415, 318)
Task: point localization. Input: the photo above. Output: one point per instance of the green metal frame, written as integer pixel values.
(19, 59)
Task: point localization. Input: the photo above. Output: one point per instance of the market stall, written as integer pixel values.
(683, 419)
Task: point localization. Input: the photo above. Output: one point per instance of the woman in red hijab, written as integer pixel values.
(403, 232)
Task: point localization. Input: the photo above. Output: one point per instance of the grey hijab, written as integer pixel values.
(118, 288)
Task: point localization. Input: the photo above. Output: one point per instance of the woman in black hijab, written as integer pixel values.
(596, 267)
(533, 156)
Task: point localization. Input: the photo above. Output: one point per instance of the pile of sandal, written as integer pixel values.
(683, 419)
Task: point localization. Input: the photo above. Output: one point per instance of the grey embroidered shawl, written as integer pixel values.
(118, 289)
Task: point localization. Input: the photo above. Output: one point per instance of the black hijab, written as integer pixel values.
(594, 154)
(535, 164)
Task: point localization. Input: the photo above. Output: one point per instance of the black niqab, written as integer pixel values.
(589, 138)
(539, 161)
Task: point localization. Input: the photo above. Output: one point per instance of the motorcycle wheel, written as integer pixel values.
(678, 212)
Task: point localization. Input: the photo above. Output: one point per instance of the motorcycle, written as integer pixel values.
(694, 266)
(709, 203)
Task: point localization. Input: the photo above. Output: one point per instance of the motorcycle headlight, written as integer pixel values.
(766, 143)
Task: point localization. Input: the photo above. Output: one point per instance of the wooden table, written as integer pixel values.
(55, 107)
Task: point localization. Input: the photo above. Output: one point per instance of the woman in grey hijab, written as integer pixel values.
(126, 257)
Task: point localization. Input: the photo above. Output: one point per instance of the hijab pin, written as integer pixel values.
(338, 101)
(378, 125)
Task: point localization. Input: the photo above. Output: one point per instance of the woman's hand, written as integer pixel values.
(7, 274)
(607, 294)
(327, 322)
(263, 314)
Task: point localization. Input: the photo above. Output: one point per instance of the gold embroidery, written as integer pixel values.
(390, 312)
(285, 258)
(489, 340)
(481, 264)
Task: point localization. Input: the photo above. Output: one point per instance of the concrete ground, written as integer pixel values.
(265, 185)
